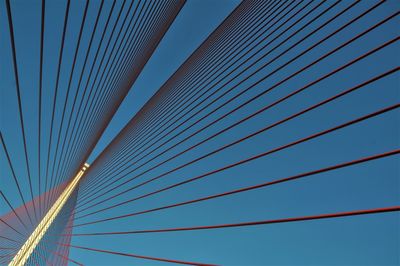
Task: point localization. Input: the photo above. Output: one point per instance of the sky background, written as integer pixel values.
(360, 240)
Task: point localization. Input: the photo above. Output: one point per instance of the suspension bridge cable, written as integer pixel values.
(253, 223)
(42, 28)
(204, 63)
(213, 63)
(243, 161)
(78, 44)
(95, 58)
(190, 118)
(164, 32)
(13, 210)
(86, 116)
(139, 256)
(60, 59)
(248, 188)
(85, 62)
(17, 85)
(299, 71)
(15, 178)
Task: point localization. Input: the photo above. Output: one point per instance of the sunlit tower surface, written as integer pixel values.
(47, 226)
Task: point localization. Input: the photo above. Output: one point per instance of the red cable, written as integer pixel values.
(138, 256)
(255, 157)
(274, 221)
(265, 184)
(66, 258)
(368, 30)
(226, 83)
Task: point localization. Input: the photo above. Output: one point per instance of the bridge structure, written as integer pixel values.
(285, 115)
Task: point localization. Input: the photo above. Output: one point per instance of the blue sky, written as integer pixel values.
(364, 240)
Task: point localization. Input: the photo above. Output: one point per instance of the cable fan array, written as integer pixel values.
(87, 90)
(278, 99)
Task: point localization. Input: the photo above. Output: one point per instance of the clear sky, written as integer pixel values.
(360, 240)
